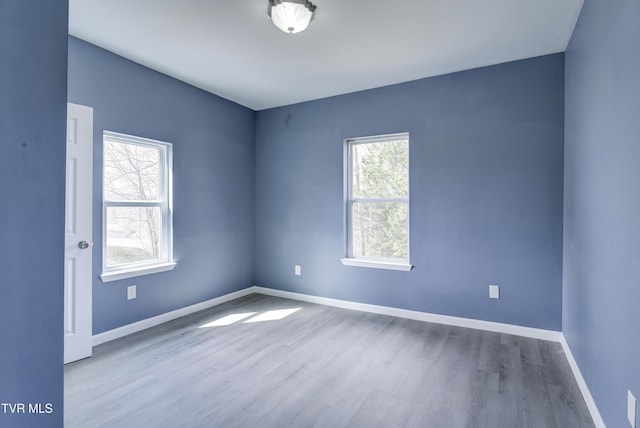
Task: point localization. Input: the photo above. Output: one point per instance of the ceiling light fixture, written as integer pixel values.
(291, 16)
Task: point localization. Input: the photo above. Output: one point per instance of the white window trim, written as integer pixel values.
(167, 263)
(131, 272)
(372, 262)
(377, 264)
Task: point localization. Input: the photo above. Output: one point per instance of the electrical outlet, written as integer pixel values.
(298, 270)
(494, 291)
(131, 292)
(631, 409)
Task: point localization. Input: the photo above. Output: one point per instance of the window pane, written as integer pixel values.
(380, 170)
(131, 172)
(133, 234)
(380, 230)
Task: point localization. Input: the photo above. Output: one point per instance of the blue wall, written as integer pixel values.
(33, 81)
(213, 165)
(486, 160)
(601, 284)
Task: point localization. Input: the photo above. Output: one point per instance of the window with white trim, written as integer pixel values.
(137, 206)
(377, 201)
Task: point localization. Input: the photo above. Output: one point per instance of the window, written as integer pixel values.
(136, 209)
(377, 202)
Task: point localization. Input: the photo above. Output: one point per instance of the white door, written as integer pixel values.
(78, 241)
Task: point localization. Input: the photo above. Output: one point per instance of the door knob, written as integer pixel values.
(83, 245)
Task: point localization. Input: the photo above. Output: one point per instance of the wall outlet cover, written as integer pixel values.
(494, 291)
(298, 270)
(131, 292)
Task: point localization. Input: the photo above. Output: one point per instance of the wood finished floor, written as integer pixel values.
(321, 367)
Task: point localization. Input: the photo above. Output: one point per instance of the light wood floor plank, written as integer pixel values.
(321, 367)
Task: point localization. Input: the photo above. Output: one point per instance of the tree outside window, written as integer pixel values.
(136, 201)
(378, 199)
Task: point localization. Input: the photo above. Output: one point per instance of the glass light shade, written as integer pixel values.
(291, 17)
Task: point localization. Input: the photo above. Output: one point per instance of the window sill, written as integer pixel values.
(377, 264)
(139, 271)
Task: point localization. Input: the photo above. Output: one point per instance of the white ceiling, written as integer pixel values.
(231, 48)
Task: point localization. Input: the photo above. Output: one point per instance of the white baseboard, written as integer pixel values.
(535, 333)
(586, 394)
(135, 327)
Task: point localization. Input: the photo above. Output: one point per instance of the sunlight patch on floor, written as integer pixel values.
(273, 315)
(228, 320)
(266, 316)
